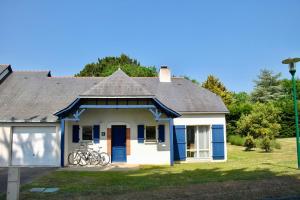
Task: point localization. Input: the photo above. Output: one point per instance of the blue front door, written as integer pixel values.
(118, 144)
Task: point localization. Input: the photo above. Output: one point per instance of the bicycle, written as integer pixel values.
(85, 155)
(104, 158)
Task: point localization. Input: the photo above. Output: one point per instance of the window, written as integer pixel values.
(197, 141)
(87, 133)
(190, 141)
(150, 134)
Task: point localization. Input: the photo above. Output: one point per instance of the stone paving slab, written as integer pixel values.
(37, 189)
(50, 190)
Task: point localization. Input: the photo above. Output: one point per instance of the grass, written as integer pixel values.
(236, 140)
(241, 165)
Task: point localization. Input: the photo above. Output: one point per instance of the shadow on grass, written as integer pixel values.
(73, 184)
(283, 166)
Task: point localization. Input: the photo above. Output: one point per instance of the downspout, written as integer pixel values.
(171, 128)
(62, 142)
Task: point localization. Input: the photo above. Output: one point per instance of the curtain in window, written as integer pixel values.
(203, 141)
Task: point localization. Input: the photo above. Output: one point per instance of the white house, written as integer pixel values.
(140, 120)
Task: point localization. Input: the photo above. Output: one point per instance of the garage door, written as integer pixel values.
(35, 146)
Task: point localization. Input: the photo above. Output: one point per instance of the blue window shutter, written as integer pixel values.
(161, 133)
(218, 142)
(179, 142)
(75, 135)
(96, 134)
(140, 133)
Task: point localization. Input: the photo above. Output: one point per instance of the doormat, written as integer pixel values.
(45, 190)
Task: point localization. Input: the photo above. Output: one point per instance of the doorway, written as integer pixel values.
(197, 143)
(118, 148)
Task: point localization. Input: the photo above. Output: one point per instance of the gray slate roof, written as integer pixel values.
(35, 97)
(118, 84)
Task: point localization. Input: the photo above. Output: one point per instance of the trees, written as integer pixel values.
(286, 85)
(263, 121)
(216, 86)
(108, 65)
(286, 105)
(240, 104)
(267, 87)
(287, 116)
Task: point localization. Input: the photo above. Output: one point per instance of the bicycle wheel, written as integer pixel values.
(104, 159)
(74, 158)
(84, 160)
(95, 158)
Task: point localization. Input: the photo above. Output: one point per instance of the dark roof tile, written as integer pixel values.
(32, 96)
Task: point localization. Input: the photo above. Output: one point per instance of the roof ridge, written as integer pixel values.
(31, 70)
(75, 77)
(144, 77)
(153, 77)
(112, 81)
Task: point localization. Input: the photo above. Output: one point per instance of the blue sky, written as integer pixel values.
(232, 40)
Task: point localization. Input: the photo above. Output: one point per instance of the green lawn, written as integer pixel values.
(241, 165)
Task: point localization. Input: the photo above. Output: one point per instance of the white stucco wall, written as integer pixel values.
(6, 130)
(140, 153)
(204, 119)
(200, 119)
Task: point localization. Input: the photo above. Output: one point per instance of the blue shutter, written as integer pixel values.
(179, 143)
(75, 135)
(218, 142)
(140, 134)
(96, 134)
(161, 133)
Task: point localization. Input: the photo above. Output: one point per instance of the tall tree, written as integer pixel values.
(241, 105)
(108, 65)
(287, 88)
(216, 86)
(267, 87)
(287, 115)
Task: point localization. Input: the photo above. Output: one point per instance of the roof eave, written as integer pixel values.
(204, 112)
(172, 112)
(161, 105)
(115, 97)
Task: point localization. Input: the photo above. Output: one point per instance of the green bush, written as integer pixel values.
(275, 144)
(236, 140)
(249, 143)
(261, 122)
(265, 144)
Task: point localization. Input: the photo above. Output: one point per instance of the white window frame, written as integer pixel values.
(197, 142)
(156, 136)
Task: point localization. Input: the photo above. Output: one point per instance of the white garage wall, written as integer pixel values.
(5, 141)
(6, 130)
(141, 153)
(35, 146)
